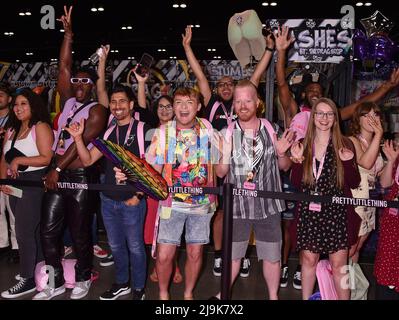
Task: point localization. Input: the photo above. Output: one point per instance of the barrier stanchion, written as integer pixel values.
(227, 240)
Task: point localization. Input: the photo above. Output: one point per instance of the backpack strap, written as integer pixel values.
(140, 137)
(213, 110)
(109, 131)
(136, 116)
(269, 128)
(110, 118)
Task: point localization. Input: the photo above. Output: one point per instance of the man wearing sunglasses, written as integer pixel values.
(70, 206)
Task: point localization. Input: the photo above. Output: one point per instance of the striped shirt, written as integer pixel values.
(255, 155)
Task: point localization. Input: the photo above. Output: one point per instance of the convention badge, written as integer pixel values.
(166, 212)
(313, 206)
(249, 185)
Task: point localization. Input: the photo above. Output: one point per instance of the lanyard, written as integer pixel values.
(254, 166)
(4, 120)
(318, 173)
(127, 133)
(228, 117)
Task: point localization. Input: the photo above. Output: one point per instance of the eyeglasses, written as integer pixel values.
(321, 115)
(165, 107)
(229, 84)
(81, 80)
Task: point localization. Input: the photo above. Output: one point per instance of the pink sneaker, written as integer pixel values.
(99, 252)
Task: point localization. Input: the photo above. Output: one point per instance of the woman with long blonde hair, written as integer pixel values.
(324, 164)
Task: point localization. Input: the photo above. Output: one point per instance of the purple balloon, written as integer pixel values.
(360, 45)
(381, 49)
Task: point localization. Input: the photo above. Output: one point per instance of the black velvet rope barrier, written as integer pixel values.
(218, 191)
(228, 191)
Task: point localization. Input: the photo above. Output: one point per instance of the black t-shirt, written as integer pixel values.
(145, 115)
(219, 120)
(133, 146)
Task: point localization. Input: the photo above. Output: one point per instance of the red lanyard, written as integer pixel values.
(127, 133)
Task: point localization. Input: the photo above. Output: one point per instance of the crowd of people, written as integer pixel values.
(195, 138)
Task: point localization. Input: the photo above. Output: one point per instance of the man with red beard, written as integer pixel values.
(70, 206)
(252, 159)
(219, 112)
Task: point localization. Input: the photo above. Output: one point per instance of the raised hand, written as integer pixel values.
(394, 79)
(390, 151)
(297, 150)
(345, 154)
(283, 38)
(67, 20)
(76, 129)
(270, 41)
(375, 124)
(140, 78)
(285, 142)
(187, 37)
(103, 57)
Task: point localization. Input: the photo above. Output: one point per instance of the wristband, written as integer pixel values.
(269, 49)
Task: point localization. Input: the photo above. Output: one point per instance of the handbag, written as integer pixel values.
(13, 153)
(326, 281)
(358, 281)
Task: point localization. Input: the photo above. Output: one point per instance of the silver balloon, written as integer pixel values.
(376, 23)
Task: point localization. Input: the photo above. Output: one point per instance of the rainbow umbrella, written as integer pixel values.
(138, 171)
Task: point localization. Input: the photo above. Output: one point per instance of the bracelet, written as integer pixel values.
(269, 49)
(297, 160)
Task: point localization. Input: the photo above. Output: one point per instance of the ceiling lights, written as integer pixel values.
(361, 4)
(217, 57)
(114, 50)
(97, 9)
(10, 34)
(29, 53)
(161, 50)
(126, 27)
(172, 57)
(195, 25)
(179, 4)
(211, 50)
(25, 13)
(272, 4)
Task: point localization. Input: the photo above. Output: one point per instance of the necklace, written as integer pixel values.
(23, 133)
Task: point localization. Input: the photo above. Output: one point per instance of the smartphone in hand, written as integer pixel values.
(144, 65)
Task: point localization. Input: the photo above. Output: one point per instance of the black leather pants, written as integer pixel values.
(68, 207)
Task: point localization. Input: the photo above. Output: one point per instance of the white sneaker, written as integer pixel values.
(81, 289)
(48, 293)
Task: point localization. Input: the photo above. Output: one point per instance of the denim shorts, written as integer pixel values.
(197, 228)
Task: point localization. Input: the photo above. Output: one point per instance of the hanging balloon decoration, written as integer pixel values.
(374, 52)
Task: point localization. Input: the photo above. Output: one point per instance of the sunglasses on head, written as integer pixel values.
(81, 80)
